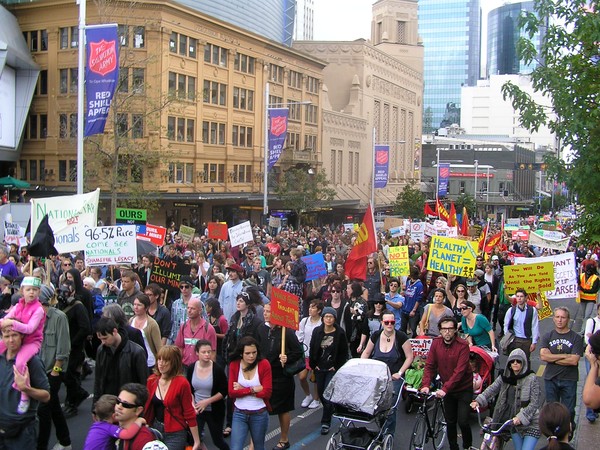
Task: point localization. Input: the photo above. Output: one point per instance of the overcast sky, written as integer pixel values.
(346, 20)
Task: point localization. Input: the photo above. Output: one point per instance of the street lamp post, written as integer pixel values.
(476, 164)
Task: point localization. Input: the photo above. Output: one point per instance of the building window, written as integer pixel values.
(69, 174)
(181, 173)
(275, 73)
(242, 173)
(312, 85)
(183, 86)
(293, 140)
(461, 189)
(214, 93)
(122, 125)
(401, 32)
(181, 129)
(23, 169)
(275, 102)
(295, 111)
(213, 54)
(137, 80)
(68, 81)
(295, 79)
(37, 126)
(62, 170)
(215, 173)
(73, 125)
(213, 133)
(242, 136)
(42, 170)
(123, 31)
(184, 45)
(311, 114)
(244, 63)
(37, 40)
(243, 99)
(310, 142)
(74, 76)
(68, 37)
(33, 170)
(123, 80)
(72, 170)
(137, 126)
(42, 85)
(139, 37)
(63, 126)
(32, 126)
(43, 126)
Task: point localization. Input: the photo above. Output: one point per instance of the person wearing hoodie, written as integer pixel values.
(518, 392)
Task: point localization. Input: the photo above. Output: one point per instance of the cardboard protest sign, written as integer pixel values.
(110, 245)
(186, 233)
(536, 277)
(274, 222)
(217, 230)
(417, 231)
(240, 234)
(68, 216)
(545, 311)
(316, 266)
(13, 232)
(284, 309)
(565, 274)
(399, 264)
(126, 216)
(452, 256)
(421, 346)
(392, 222)
(154, 234)
(168, 273)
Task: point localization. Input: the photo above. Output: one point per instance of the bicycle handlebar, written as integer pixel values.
(423, 396)
(488, 427)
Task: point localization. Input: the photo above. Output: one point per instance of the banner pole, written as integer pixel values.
(283, 343)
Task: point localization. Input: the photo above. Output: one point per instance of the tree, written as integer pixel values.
(410, 202)
(465, 200)
(569, 71)
(302, 191)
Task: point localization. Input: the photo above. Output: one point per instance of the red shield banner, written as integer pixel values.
(278, 125)
(103, 57)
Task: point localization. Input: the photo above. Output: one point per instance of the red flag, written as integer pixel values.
(464, 226)
(483, 237)
(428, 211)
(365, 244)
(496, 239)
(442, 212)
(452, 222)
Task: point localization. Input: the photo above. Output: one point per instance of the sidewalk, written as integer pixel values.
(587, 435)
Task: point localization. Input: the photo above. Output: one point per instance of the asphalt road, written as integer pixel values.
(305, 429)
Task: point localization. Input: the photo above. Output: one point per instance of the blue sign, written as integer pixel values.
(315, 264)
(382, 159)
(101, 75)
(278, 118)
(444, 178)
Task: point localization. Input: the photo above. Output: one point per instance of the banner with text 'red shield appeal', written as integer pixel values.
(382, 157)
(101, 75)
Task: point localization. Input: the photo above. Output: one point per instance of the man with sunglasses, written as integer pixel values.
(179, 307)
(449, 358)
(394, 301)
(130, 406)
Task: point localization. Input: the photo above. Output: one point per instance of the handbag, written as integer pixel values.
(506, 340)
(188, 434)
(14, 429)
(297, 366)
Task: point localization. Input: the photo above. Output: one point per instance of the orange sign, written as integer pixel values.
(217, 230)
(284, 309)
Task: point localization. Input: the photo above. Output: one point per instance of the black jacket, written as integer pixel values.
(219, 385)
(340, 347)
(79, 324)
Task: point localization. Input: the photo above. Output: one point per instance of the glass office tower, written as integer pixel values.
(451, 33)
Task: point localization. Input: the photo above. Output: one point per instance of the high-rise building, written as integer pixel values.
(450, 31)
(503, 33)
(305, 20)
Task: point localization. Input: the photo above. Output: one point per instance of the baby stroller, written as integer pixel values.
(485, 360)
(362, 395)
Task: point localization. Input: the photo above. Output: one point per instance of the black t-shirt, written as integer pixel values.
(327, 359)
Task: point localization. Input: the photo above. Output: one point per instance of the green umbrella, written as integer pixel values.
(10, 182)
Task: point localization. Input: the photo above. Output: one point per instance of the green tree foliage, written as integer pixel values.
(569, 72)
(410, 202)
(465, 200)
(302, 191)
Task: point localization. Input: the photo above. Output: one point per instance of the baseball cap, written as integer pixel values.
(32, 281)
(495, 258)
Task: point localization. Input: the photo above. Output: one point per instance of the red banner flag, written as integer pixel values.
(492, 242)
(443, 212)
(365, 244)
(428, 211)
(483, 237)
(464, 226)
(452, 221)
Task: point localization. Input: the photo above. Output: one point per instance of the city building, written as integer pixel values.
(372, 85)
(187, 124)
(450, 31)
(305, 20)
(503, 34)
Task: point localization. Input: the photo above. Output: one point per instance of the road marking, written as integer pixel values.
(540, 371)
(307, 440)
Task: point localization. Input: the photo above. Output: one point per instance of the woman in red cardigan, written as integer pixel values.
(250, 386)
(170, 407)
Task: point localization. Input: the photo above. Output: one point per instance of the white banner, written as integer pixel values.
(240, 234)
(110, 245)
(552, 244)
(12, 232)
(274, 222)
(68, 217)
(417, 231)
(565, 273)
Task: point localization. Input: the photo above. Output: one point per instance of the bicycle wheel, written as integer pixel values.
(439, 428)
(417, 439)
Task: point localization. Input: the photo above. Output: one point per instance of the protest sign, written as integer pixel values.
(545, 311)
(552, 244)
(68, 216)
(399, 265)
(110, 245)
(154, 234)
(536, 277)
(274, 222)
(240, 234)
(217, 230)
(452, 256)
(420, 347)
(13, 232)
(513, 221)
(349, 227)
(565, 273)
(520, 234)
(316, 266)
(138, 217)
(284, 309)
(186, 233)
(168, 273)
(511, 228)
(417, 231)
(397, 231)
(392, 222)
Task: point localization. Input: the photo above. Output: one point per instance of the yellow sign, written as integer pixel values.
(545, 311)
(536, 277)
(452, 256)
(399, 261)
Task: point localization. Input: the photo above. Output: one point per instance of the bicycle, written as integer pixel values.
(494, 439)
(427, 428)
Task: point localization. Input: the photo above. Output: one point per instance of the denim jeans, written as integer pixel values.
(323, 377)
(390, 423)
(563, 391)
(523, 442)
(257, 424)
(174, 440)
(589, 412)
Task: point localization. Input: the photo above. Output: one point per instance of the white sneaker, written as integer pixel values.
(59, 446)
(306, 401)
(314, 404)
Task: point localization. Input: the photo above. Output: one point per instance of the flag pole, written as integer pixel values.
(80, 92)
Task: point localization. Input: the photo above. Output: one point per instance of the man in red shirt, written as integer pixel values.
(449, 358)
(130, 406)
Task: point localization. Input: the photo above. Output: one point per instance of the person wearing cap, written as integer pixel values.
(54, 354)
(497, 267)
(230, 290)
(179, 307)
(26, 317)
(328, 352)
(473, 294)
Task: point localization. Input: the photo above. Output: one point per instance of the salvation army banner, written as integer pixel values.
(315, 264)
(444, 177)
(278, 118)
(68, 216)
(382, 158)
(110, 245)
(565, 274)
(101, 75)
(240, 234)
(452, 256)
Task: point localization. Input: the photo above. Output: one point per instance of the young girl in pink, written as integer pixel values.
(26, 317)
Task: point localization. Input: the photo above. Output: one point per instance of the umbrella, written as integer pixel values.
(10, 182)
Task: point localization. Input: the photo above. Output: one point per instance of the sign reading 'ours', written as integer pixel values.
(137, 217)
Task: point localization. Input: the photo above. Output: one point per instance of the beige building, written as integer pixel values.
(376, 84)
(188, 121)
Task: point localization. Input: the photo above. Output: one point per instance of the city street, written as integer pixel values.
(305, 429)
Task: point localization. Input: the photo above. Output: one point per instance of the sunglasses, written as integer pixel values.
(389, 322)
(515, 361)
(67, 264)
(335, 292)
(185, 286)
(126, 405)
(464, 308)
(460, 290)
